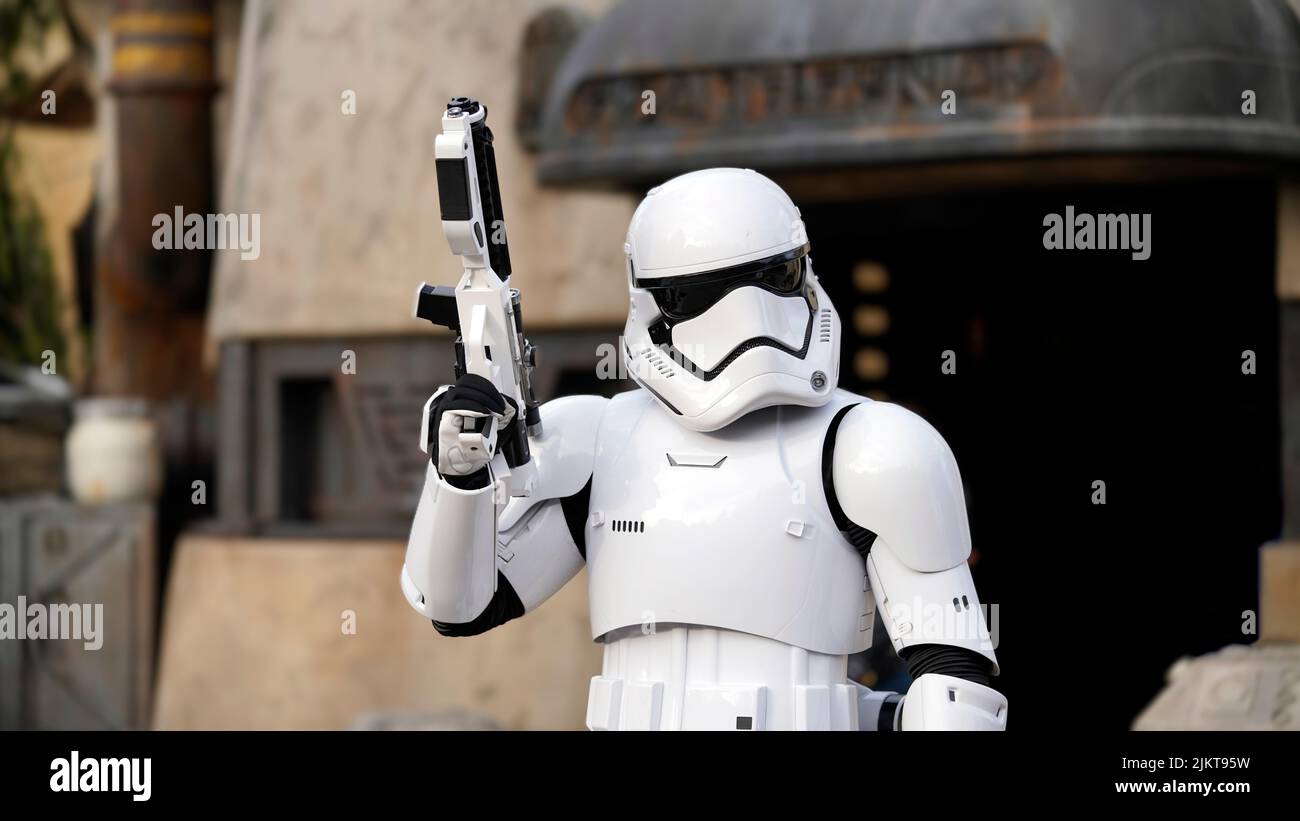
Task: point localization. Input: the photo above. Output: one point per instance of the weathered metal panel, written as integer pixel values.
(778, 85)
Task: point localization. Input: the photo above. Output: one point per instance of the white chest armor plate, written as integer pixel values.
(728, 529)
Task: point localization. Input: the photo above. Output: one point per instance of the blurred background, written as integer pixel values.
(223, 450)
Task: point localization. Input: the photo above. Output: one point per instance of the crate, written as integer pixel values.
(55, 551)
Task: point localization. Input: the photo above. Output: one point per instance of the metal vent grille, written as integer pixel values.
(657, 362)
(826, 325)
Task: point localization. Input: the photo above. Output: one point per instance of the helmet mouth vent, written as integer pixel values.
(682, 361)
(657, 362)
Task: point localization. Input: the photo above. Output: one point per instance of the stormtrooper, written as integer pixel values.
(740, 518)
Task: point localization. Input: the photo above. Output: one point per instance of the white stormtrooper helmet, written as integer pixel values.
(726, 315)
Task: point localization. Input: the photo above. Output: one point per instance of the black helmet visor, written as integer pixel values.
(683, 297)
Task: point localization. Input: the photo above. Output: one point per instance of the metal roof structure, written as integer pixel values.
(835, 83)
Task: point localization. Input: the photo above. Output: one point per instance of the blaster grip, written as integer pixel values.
(437, 304)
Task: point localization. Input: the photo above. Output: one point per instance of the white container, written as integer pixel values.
(113, 452)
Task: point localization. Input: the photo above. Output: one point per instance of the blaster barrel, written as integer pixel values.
(454, 188)
(489, 186)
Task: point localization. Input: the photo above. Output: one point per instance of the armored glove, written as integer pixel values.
(460, 440)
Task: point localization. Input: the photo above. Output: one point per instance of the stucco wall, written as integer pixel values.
(254, 638)
(348, 203)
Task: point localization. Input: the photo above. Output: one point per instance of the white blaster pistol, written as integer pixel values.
(482, 309)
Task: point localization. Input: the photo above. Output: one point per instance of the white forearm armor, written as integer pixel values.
(471, 563)
(450, 572)
(939, 702)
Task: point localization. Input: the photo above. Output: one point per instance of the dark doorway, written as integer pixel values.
(1074, 366)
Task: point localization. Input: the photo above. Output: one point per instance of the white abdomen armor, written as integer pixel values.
(729, 529)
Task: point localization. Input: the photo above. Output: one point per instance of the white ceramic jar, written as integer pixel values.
(113, 452)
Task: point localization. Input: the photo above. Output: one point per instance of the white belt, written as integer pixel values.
(695, 678)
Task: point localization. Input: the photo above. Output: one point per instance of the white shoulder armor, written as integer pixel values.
(563, 454)
(894, 475)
